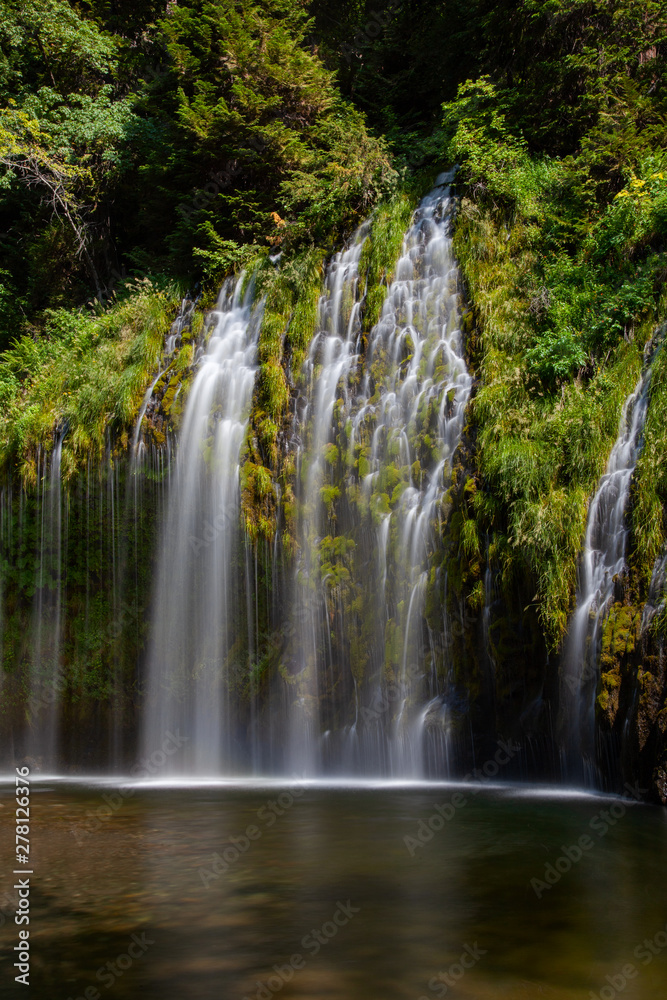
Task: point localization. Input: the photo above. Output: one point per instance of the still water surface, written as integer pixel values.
(148, 869)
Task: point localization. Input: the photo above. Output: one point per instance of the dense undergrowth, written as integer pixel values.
(567, 290)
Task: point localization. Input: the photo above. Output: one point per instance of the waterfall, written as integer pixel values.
(191, 662)
(602, 563)
(45, 678)
(144, 464)
(416, 385)
(379, 442)
(332, 354)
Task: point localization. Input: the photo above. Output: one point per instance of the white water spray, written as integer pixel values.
(192, 662)
(602, 564)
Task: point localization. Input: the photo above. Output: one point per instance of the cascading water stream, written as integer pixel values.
(45, 668)
(332, 355)
(191, 664)
(602, 563)
(416, 385)
(369, 550)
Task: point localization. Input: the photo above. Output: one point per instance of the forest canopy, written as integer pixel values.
(175, 140)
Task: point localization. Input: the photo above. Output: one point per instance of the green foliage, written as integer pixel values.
(86, 373)
(561, 238)
(381, 252)
(581, 73)
(48, 41)
(216, 134)
(481, 139)
(543, 435)
(270, 151)
(257, 501)
(555, 356)
(650, 483)
(399, 61)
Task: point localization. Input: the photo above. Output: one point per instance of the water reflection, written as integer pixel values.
(305, 892)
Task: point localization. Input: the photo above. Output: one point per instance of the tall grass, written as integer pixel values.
(87, 373)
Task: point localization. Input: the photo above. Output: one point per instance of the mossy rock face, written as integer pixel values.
(258, 501)
(647, 753)
(165, 408)
(650, 693)
(632, 698)
(170, 393)
(103, 625)
(620, 635)
(193, 332)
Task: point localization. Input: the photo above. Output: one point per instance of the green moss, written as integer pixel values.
(476, 596)
(273, 390)
(267, 431)
(329, 495)
(307, 290)
(290, 295)
(331, 454)
(381, 252)
(258, 501)
(388, 479)
(194, 331)
(619, 636)
(185, 357)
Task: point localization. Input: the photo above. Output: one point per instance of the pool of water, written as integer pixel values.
(336, 893)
